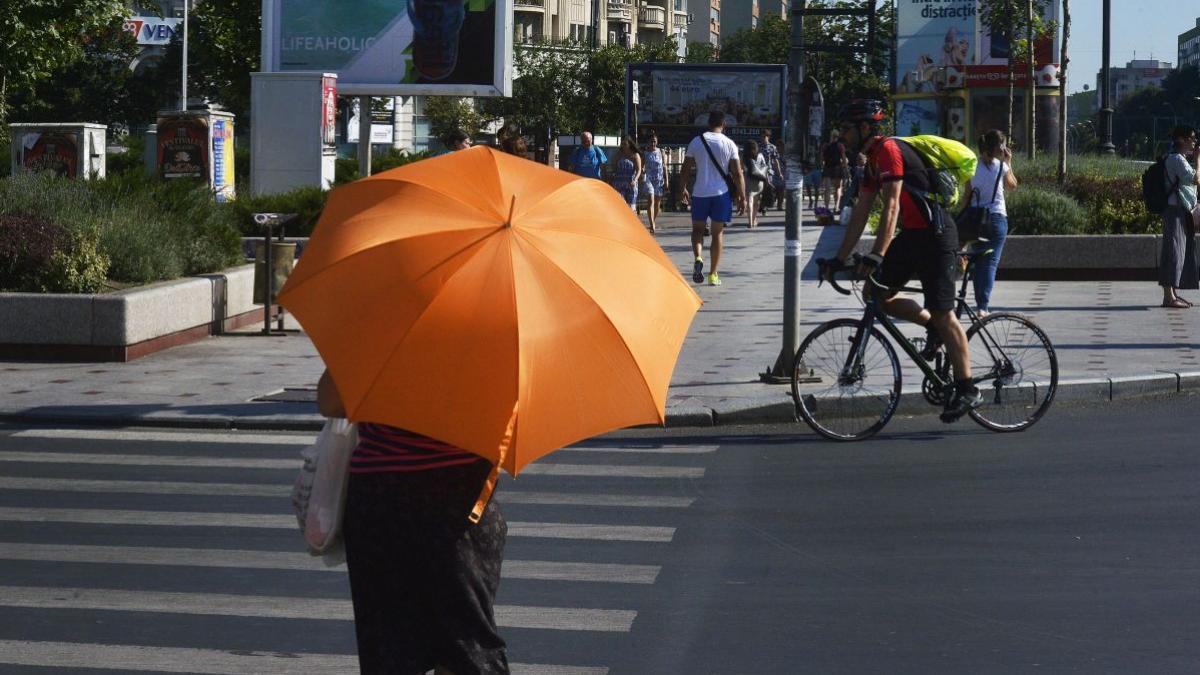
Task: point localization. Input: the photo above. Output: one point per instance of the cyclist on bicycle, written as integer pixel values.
(926, 246)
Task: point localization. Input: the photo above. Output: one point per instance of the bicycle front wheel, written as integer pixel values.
(1014, 366)
(845, 394)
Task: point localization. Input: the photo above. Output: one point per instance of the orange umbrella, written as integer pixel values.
(493, 303)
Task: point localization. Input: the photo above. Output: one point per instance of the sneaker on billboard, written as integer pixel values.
(436, 25)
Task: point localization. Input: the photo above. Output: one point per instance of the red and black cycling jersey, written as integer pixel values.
(890, 160)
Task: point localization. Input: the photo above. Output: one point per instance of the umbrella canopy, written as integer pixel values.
(493, 303)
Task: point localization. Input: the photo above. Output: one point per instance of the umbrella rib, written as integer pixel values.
(442, 193)
(574, 283)
(404, 338)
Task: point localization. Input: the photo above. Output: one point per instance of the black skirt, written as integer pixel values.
(422, 577)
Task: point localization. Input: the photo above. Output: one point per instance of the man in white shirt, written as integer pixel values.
(713, 157)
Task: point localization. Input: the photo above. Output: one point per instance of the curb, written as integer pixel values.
(772, 409)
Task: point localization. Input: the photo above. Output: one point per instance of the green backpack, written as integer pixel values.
(949, 163)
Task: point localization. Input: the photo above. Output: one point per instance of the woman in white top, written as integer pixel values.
(993, 176)
(1177, 266)
(756, 181)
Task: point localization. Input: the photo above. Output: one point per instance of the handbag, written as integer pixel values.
(319, 493)
(970, 221)
(724, 175)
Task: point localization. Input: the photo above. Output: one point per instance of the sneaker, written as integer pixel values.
(933, 342)
(698, 271)
(714, 280)
(965, 399)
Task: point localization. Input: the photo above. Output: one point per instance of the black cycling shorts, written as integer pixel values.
(931, 257)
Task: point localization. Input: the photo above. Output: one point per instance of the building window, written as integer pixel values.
(681, 6)
(754, 23)
(714, 15)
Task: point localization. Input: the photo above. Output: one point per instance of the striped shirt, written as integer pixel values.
(382, 448)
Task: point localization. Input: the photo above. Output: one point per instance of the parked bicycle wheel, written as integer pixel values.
(841, 397)
(1016, 369)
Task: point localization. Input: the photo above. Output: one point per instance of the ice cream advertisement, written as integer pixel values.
(415, 46)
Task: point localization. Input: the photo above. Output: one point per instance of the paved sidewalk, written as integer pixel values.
(1104, 332)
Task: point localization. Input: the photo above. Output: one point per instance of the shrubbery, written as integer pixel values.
(1036, 210)
(307, 202)
(1108, 189)
(39, 256)
(146, 229)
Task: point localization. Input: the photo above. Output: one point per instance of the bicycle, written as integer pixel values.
(846, 378)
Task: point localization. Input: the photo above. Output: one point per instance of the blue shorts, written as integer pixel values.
(719, 208)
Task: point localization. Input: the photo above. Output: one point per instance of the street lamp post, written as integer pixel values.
(1106, 111)
(183, 89)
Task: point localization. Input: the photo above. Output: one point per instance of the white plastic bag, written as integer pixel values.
(319, 495)
(844, 219)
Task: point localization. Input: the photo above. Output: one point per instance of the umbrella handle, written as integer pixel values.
(489, 486)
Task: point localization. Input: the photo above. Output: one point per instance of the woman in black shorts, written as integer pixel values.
(833, 170)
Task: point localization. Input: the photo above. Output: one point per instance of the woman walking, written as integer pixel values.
(756, 180)
(629, 170)
(834, 164)
(993, 177)
(656, 178)
(1177, 266)
(423, 578)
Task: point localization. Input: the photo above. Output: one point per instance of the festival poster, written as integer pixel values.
(934, 44)
(56, 153)
(182, 147)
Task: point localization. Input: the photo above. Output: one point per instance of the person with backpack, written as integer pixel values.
(587, 160)
(713, 158)
(1177, 267)
(993, 179)
(834, 164)
(756, 181)
(926, 246)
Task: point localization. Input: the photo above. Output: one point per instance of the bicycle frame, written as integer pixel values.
(873, 313)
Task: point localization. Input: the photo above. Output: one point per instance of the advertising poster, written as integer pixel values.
(182, 146)
(329, 110)
(994, 48)
(56, 153)
(222, 157)
(383, 115)
(150, 30)
(934, 44)
(676, 100)
(389, 42)
(917, 116)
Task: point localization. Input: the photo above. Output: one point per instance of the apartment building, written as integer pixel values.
(706, 22)
(1137, 74)
(624, 22)
(746, 14)
(1189, 47)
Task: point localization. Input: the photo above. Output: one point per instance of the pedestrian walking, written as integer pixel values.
(655, 178)
(713, 157)
(812, 184)
(993, 178)
(587, 160)
(423, 578)
(628, 171)
(1177, 267)
(834, 164)
(773, 191)
(756, 181)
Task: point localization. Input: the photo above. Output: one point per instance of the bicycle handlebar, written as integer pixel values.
(829, 268)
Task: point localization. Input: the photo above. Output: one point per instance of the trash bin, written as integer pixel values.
(283, 256)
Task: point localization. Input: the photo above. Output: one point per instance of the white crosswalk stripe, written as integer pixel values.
(590, 470)
(506, 496)
(209, 661)
(277, 560)
(271, 521)
(284, 607)
(199, 457)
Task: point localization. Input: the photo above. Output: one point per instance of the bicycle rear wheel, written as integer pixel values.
(845, 400)
(1015, 368)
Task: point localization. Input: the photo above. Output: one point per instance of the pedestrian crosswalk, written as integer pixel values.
(182, 535)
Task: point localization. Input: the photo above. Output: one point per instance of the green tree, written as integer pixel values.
(224, 47)
(700, 52)
(1011, 19)
(41, 36)
(605, 80)
(548, 95)
(447, 113)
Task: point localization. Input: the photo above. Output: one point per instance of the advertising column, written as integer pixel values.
(198, 146)
(935, 46)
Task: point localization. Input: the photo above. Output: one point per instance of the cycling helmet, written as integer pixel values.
(861, 110)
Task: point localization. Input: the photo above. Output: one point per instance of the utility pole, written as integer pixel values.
(1106, 111)
(1031, 95)
(794, 141)
(183, 90)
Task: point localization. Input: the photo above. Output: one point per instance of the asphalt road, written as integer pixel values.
(1070, 548)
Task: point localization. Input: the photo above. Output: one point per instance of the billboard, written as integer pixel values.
(182, 151)
(152, 30)
(394, 47)
(675, 99)
(934, 44)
